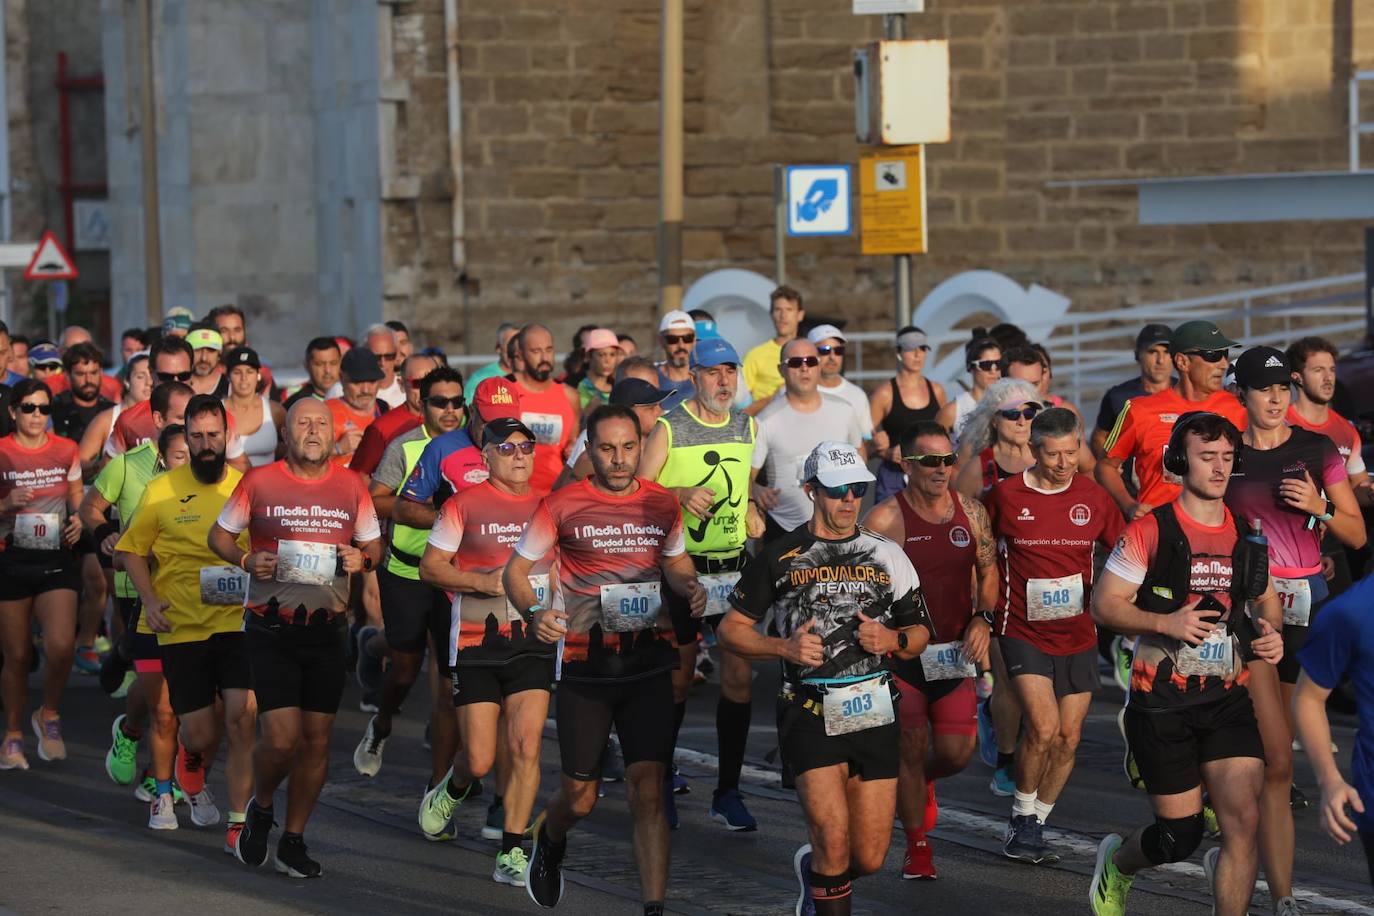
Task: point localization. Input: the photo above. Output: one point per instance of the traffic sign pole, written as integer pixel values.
(780, 224)
(895, 27)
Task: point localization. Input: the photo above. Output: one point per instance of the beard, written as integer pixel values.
(541, 371)
(208, 466)
(86, 392)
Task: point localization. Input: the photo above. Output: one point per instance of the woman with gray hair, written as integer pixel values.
(995, 443)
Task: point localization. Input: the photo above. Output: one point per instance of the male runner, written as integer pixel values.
(547, 406)
(195, 606)
(677, 334)
(1156, 368)
(501, 673)
(322, 359)
(949, 535)
(618, 539)
(1047, 521)
(1179, 579)
(385, 344)
(1313, 361)
(399, 420)
(415, 614)
(760, 368)
(358, 407)
(841, 599)
(701, 452)
(310, 524)
(208, 375)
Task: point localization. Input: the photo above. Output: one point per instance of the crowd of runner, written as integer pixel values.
(578, 538)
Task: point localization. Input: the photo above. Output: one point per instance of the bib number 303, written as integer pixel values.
(856, 707)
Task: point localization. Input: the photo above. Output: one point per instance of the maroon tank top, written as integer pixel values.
(944, 557)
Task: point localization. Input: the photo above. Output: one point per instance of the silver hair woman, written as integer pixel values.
(996, 440)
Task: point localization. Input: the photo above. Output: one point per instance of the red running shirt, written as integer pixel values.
(946, 554)
(1340, 431)
(1142, 432)
(550, 416)
(480, 527)
(47, 470)
(605, 542)
(276, 506)
(1045, 542)
(135, 426)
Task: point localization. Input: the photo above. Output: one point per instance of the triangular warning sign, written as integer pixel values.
(50, 261)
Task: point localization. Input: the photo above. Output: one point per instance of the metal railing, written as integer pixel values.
(1357, 127)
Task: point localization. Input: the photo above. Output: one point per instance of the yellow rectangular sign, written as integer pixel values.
(892, 200)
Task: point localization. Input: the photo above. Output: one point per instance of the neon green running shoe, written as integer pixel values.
(510, 868)
(1107, 895)
(121, 760)
(437, 807)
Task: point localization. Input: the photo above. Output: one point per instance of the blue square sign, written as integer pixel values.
(818, 200)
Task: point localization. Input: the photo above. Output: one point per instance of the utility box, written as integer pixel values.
(901, 93)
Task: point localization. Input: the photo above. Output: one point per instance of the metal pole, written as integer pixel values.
(780, 225)
(1369, 280)
(670, 161)
(152, 231)
(895, 28)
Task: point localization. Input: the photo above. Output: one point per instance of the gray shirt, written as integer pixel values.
(786, 437)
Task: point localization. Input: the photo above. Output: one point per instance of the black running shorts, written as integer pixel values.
(197, 671)
(1071, 674)
(30, 573)
(869, 754)
(297, 665)
(412, 611)
(641, 710)
(493, 683)
(1170, 745)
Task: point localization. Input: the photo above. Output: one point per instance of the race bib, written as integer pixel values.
(540, 584)
(1210, 658)
(1295, 595)
(547, 427)
(223, 585)
(856, 707)
(38, 530)
(1054, 599)
(945, 662)
(629, 606)
(718, 587)
(306, 562)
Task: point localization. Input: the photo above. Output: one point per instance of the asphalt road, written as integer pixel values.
(71, 840)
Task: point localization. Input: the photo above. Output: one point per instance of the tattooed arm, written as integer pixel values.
(977, 634)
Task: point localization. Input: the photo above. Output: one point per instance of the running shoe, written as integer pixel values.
(371, 701)
(87, 660)
(190, 771)
(1211, 827)
(121, 760)
(113, 671)
(1297, 746)
(680, 784)
(532, 830)
(544, 872)
(369, 668)
(437, 807)
(704, 668)
(102, 646)
(12, 755)
(162, 813)
(1209, 869)
(987, 736)
(1128, 759)
(204, 812)
(801, 866)
(1286, 906)
(496, 820)
(122, 690)
(982, 686)
(931, 816)
(1023, 841)
(1296, 799)
(147, 788)
(1107, 894)
(49, 732)
(1123, 656)
(367, 757)
(919, 862)
(510, 868)
(293, 861)
(612, 764)
(250, 846)
(728, 808)
(231, 836)
(1002, 784)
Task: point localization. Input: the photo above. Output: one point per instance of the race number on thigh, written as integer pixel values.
(856, 707)
(718, 587)
(1213, 657)
(540, 584)
(1295, 595)
(629, 606)
(945, 661)
(306, 562)
(223, 585)
(1054, 599)
(38, 530)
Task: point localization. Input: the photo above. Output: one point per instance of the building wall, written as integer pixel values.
(560, 124)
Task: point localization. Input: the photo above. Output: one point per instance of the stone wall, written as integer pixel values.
(560, 123)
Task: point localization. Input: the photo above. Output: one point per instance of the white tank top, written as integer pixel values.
(963, 406)
(261, 445)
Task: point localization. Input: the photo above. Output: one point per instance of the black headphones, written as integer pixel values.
(1176, 452)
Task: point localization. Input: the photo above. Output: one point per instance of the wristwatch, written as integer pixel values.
(986, 616)
(901, 641)
(1328, 513)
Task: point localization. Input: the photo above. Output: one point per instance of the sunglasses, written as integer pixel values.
(985, 365)
(844, 489)
(506, 449)
(673, 340)
(828, 350)
(440, 403)
(1208, 356)
(174, 376)
(385, 357)
(1027, 412)
(31, 406)
(933, 460)
(796, 362)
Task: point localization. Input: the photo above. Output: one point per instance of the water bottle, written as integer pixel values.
(1255, 573)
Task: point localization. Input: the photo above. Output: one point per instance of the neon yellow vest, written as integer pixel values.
(717, 455)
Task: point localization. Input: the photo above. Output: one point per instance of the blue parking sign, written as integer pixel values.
(818, 200)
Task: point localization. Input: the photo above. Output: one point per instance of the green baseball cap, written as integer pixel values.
(1199, 335)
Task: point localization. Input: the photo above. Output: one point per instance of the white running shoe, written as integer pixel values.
(162, 813)
(204, 813)
(367, 757)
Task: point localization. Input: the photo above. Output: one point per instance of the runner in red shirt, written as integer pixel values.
(359, 407)
(1313, 361)
(310, 524)
(949, 540)
(40, 490)
(1048, 520)
(1199, 353)
(547, 406)
(397, 421)
(499, 667)
(619, 541)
